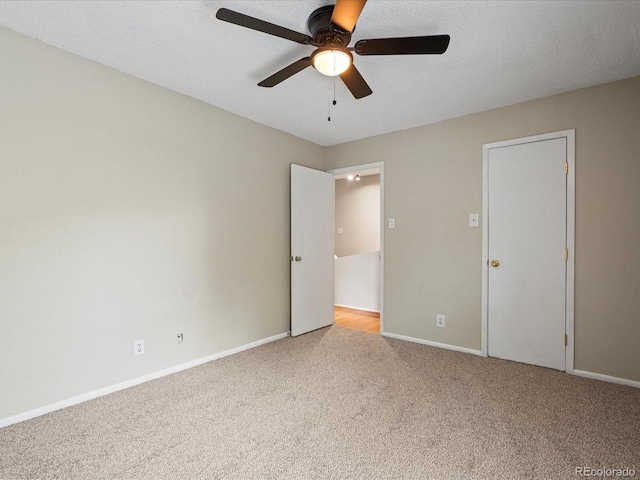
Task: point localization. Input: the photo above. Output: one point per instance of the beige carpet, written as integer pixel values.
(338, 404)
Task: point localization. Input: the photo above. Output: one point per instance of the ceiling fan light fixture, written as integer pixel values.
(331, 61)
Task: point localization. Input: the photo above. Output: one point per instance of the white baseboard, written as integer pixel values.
(20, 417)
(357, 308)
(607, 378)
(579, 373)
(446, 346)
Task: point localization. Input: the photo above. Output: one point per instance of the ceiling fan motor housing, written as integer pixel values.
(323, 32)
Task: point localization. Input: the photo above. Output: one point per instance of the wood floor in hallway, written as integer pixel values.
(357, 319)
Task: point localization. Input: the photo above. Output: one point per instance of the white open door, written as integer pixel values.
(312, 249)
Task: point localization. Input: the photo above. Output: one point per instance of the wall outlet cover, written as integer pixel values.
(138, 347)
(440, 320)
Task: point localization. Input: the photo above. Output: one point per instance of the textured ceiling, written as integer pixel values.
(500, 53)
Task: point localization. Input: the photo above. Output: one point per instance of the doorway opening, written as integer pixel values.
(359, 247)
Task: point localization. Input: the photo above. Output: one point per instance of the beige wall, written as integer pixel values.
(433, 180)
(358, 214)
(130, 212)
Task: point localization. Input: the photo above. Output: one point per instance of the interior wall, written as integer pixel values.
(358, 214)
(433, 180)
(357, 281)
(130, 212)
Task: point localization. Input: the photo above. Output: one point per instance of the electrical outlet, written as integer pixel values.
(180, 338)
(440, 320)
(138, 347)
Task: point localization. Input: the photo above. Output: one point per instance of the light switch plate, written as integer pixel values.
(473, 219)
(340, 230)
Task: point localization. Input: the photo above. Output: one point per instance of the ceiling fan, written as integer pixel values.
(331, 28)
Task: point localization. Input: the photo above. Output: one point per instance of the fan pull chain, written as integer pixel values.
(334, 90)
(334, 99)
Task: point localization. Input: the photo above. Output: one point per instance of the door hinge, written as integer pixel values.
(566, 339)
(566, 168)
(566, 254)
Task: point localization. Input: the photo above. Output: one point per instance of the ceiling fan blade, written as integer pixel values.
(431, 44)
(346, 13)
(243, 20)
(355, 83)
(286, 72)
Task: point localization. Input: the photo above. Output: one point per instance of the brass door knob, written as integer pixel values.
(495, 263)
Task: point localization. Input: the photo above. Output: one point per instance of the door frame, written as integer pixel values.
(569, 277)
(367, 166)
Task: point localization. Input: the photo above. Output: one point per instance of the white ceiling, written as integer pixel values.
(501, 53)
